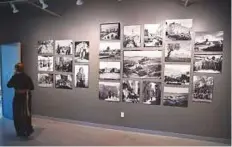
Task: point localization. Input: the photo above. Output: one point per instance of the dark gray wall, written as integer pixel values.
(82, 23)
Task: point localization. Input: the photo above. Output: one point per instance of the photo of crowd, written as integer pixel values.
(109, 70)
(153, 35)
(45, 63)
(132, 36)
(109, 91)
(64, 47)
(63, 81)
(151, 93)
(64, 64)
(110, 51)
(45, 47)
(110, 31)
(82, 52)
(131, 91)
(81, 76)
(45, 80)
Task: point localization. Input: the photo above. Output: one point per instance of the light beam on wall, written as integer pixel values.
(15, 10)
(79, 2)
(44, 6)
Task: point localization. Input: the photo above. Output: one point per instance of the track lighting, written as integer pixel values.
(44, 6)
(79, 2)
(15, 10)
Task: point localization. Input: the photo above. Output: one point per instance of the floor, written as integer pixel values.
(49, 132)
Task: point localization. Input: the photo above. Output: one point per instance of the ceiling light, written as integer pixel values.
(15, 10)
(79, 2)
(44, 6)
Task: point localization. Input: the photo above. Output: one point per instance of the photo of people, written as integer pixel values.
(151, 93)
(110, 51)
(63, 81)
(64, 64)
(110, 31)
(45, 47)
(81, 76)
(132, 36)
(109, 70)
(131, 91)
(109, 91)
(82, 52)
(45, 80)
(64, 47)
(45, 63)
(153, 35)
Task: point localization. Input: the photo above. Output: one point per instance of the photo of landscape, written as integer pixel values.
(110, 51)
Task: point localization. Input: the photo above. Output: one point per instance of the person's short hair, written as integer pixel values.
(19, 67)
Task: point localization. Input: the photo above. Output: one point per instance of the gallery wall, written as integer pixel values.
(83, 23)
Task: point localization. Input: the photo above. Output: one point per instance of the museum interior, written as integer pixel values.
(117, 72)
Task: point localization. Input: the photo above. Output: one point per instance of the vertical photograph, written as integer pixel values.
(64, 64)
(81, 52)
(45, 63)
(110, 31)
(63, 81)
(45, 47)
(153, 35)
(109, 70)
(110, 51)
(45, 80)
(64, 47)
(151, 93)
(81, 76)
(131, 91)
(109, 91)
(132, 36)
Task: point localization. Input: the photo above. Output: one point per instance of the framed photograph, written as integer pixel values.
(45, 63)
(202, 89)
(132, 36)
(81, 76)
(64, 64)
(64, 47)
(151, 92)
(131, 91)
(110, 51)
(177, 74)
(82, 52)
(142, 64)
(109, 70)
(45, 80)
(45, 47)
(209, 42)
(110, 31)
(176, 97)
(153, 35)
(109, 91)
(178, 52)
(63, 81)
(208, 63)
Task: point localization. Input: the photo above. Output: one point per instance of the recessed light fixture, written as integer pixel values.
(79, 2)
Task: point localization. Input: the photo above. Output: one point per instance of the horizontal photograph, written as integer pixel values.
(110, 51)
(109, 70)
(132, 36)
(81, 52)
(45, 80)
(64, 47)
(109, 91)
(45, 47)
(151, 93)
(153, 35)
(131, 91)
(81, 76)
(64, 81)
(64, 64)
(45, 63)
(110, 31)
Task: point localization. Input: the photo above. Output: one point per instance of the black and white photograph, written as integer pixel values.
(110, 31)
(153, 35)
(178, 52)
(109, 70)
(64, 64)
(82, 52)
(109, 91)
(63, 81)
(45, 63)
(45, 47)
(209, 42)
(132, 36)
(81, 76)
(208, 63)
(110, 51)
(131, 91)
(142, 64)
(177, 74)
(45, 80)
(64, 47)
(151, 93)
(202, 89)
(176, 97)
(179, 29)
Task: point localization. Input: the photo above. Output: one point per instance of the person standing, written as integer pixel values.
(80, 76)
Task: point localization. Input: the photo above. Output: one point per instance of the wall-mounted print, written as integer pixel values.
(64, 47)
(178, 52)
(63, 81)
(142, 64)
(109, 70)
(153, 35)
(45, 63)
(177, 97)
(132, 36)
(110, 31)
(202, 89)
(208, 63)
(177, 74)
(209, 42)
(45, 47)
(64, 64)
(179, 29)
(45, 80)
(151, 92)
(81, 76)
(131, 91)
(81, 51)
(109, 91)
(110, 51)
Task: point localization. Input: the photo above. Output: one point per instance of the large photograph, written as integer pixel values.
(175, 74)
(45, 80)
(63, 81)
(64, 47)
(142, 64)
(109, 70)
(208, 63)
(202, 89)
(64, 64)
(110, 31)
(45, 47)
(110, 51)
(176, 97)
(109, 91)
(131, 91)
(151, 93)
(153, 35)
(45, 63)
(132, 36)
(81, 76)
(82, 52)
(209, 42)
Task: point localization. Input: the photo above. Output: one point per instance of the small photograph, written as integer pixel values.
(109, 91)
(177, 97)
(45, 47)
(45, 63)
(109, 70)
(151, 93)
(202, 89)
(208, 63)
(142, 64)
(110, 31)
(177, 74)
(110, 51)
(45, 80)
(132, 36)
(178, 52)
(64, 64)
(63, 81)
(153, 35)
(82, 52)
(179, 29)
(81, 76)
(64, 47)
(209, 42)
(130, 91)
